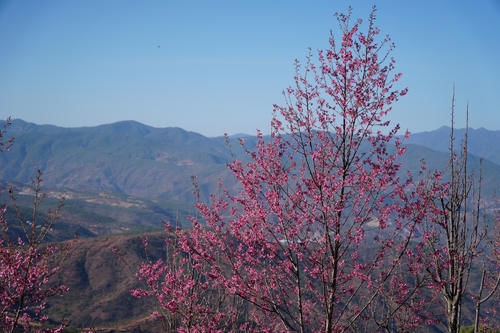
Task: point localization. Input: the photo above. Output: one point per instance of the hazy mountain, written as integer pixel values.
(138, 160)
(125, 157)
(481, 142)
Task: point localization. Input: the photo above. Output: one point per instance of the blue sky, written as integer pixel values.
(219, 66)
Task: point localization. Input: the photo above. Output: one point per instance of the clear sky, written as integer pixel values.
(218, 66)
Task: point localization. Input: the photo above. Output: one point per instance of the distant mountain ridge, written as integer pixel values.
(481, 142)
(135, 159)
(125, 157)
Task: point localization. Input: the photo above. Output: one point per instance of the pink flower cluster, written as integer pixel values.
(25, 273)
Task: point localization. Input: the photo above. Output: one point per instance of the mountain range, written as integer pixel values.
(481, 142)
(138, 160)
(125, 157)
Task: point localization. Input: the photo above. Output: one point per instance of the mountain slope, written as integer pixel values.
(125, 157)
(90, 214)
(100, 281)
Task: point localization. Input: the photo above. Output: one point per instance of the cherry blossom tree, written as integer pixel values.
(26, 266)
(323, 223)
(187, 300)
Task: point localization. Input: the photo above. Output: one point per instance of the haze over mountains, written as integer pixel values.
(482, 142)
(134, 159)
